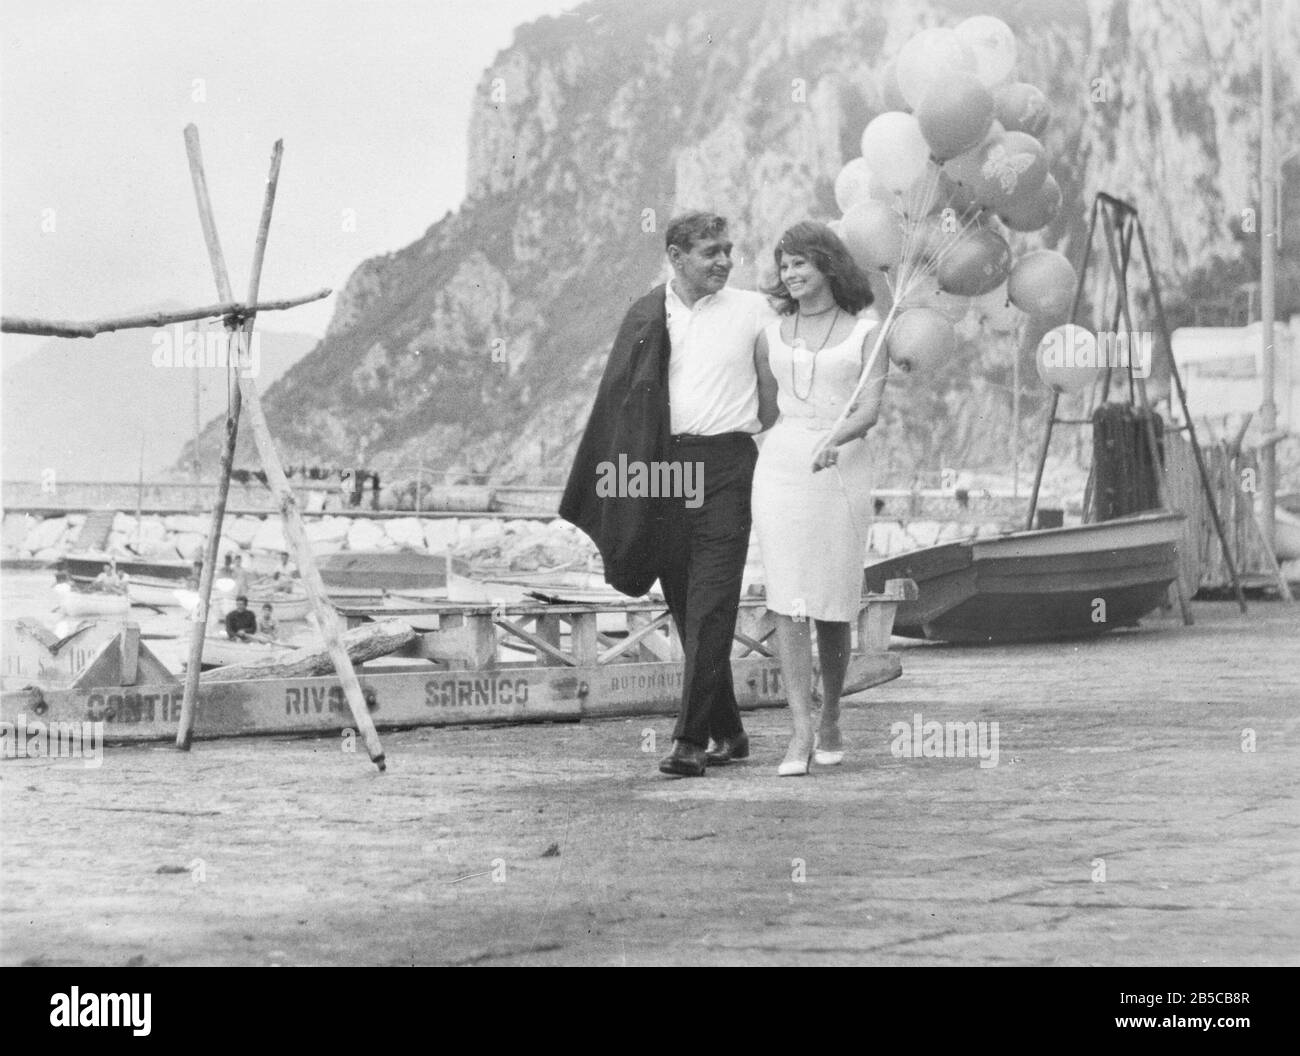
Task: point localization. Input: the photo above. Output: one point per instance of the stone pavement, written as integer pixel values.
(1123, 823)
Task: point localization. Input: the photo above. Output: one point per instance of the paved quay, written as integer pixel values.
(1142, 811)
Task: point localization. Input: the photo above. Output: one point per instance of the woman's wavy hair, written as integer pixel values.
(830, 256)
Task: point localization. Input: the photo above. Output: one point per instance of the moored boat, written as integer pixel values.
(375, 571)
(1037, 585)
(91, 602)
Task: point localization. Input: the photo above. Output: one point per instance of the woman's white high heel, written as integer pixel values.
(822, 757)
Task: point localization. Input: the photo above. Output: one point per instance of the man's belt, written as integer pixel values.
(711, 438)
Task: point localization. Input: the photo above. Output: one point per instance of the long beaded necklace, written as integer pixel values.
(795, 344)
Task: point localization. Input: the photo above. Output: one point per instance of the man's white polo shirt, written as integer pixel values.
(712, 386)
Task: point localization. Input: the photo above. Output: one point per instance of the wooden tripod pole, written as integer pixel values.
(1149, 429)
(1056, 396)
(1174, 373)
(293, 526)
(199, 618)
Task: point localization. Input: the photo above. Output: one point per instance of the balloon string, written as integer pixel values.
(862, 380)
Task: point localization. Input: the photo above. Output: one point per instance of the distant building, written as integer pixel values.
(1221, 369)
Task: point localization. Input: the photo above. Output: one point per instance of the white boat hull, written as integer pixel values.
(76, 603)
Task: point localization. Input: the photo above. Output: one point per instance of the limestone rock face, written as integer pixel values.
(478, 348)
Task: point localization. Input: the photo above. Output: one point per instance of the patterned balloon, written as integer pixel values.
(1001, 170)
(977, 263)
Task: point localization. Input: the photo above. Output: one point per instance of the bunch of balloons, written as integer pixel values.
(944, 175)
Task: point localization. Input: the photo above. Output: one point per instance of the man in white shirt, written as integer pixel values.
(713, 406)
(680, 390)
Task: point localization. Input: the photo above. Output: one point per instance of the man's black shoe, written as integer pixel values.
(686, 761)
(729, 749)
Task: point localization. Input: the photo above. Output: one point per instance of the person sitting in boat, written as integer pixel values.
(267, 622)
(285, 571)
(241, 623)
(110, 581)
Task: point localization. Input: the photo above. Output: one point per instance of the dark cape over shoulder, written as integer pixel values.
(629, 418)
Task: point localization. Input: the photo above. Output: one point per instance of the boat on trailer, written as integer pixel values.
(1026, 586)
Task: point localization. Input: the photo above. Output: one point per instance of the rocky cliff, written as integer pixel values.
(478, 347)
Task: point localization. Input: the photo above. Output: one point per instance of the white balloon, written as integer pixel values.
(894, 149)
(1067, 358)
(929, 56)
(993, 45)
(852, 185)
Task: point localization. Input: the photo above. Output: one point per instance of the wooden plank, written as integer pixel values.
(507, 693)
(640, 629)
(129, 652)
(585, 638)
(539, 643)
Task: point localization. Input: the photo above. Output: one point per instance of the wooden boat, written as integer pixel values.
(285, 606)
(375, 571)
(84, 567)
(91, 602)
(1037, 585)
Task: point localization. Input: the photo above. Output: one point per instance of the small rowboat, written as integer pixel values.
(91, 602)
(285, 607)
(1039, 585)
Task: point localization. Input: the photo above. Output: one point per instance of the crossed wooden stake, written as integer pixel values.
(238, 318)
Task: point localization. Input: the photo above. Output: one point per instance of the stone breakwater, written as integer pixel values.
(518, 545)
(523, 545)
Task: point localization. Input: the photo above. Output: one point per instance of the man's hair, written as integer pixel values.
(688, 228)
(243, 598)
(819, 244)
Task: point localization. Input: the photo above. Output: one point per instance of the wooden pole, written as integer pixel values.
(139, 494)
(12, 324)
(1267, 279)
(1176, 377)
(185, 727)
(279, 484)
(198, 428)
(1056, 396)
(296, 532)
(1148, 426)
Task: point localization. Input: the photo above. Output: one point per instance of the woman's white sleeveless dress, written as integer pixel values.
(812, 527)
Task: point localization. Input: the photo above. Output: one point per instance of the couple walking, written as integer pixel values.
(697, 370)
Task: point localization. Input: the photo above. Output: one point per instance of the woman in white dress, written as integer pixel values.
(812, 508)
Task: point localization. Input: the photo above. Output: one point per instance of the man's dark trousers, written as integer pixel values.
(705, 550)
